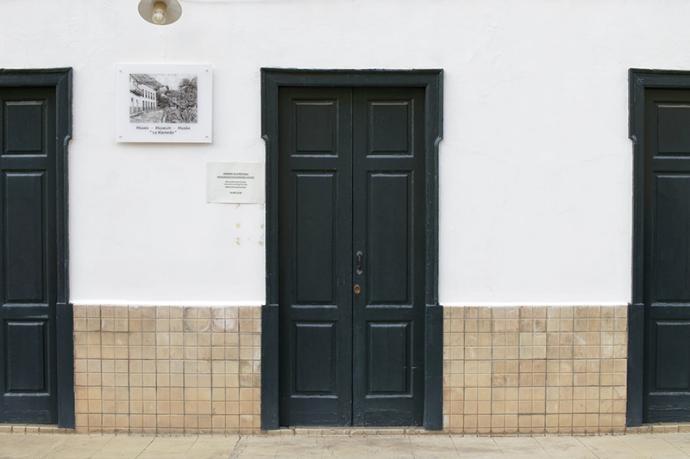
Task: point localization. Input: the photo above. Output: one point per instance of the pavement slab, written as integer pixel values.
(565, 447)
(433, 446)
(476, 446)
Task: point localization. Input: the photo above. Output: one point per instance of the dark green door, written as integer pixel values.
(667, 256)
(28, 266)
(352, 187)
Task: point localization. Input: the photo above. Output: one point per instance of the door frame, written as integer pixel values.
(60, 80)
(272, 79)
(639, 81)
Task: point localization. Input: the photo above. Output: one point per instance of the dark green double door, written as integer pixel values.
(666, 255)
(666, 258)
(352, 242)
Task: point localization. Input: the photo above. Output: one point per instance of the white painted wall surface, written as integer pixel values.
(536, 169)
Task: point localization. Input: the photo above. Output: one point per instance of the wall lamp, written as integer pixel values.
(160, 12)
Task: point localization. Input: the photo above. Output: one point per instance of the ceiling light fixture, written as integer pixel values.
(160, 12)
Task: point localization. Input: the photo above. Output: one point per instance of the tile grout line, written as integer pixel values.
(100, 373)
(491, 373)
(184, 375)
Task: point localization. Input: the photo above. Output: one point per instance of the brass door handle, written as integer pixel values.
(357, 289)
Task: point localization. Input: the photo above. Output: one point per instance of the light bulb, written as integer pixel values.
(159, 13)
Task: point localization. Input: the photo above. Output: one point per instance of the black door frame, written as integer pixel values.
(60, 80)
(272, 79)
(639, 81)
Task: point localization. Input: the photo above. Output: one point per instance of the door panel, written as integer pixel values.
(388, 222)
(667, 256)
(316, 127)
(28, 263)
(23, 127)
(315, 241)
(23, 242)
(672, 368)
(316, 273)
(390, 358)
(673, 136)
(390, 129)
(315, 362)
(389, 264)
(671, 245)
(26, 338)
(351, 256)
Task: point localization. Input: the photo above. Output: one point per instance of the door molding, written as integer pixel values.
(60, 80)
(272, 79)
(639, 81)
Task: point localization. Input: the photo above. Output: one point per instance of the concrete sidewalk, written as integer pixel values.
(667, 445)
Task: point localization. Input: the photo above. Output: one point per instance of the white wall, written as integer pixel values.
(535, 163)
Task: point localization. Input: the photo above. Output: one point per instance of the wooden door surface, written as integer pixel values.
(315, 270)
(389, 244)
(28, 266)
(667, 255)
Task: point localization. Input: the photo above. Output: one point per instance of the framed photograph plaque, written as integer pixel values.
(164, 103)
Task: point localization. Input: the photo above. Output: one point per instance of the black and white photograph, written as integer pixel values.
(166, 98)
(164, 103)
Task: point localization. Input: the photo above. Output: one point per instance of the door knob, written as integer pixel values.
(357, 289)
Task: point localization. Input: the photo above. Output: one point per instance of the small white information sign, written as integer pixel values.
(235, 183)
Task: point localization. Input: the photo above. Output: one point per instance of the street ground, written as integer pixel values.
(42, 445)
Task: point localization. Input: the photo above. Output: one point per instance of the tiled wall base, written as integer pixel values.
(527, 370)
(534, 370)
(167, 369)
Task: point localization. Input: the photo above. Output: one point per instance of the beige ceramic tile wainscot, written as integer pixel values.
(167, 369)
(534, 370)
